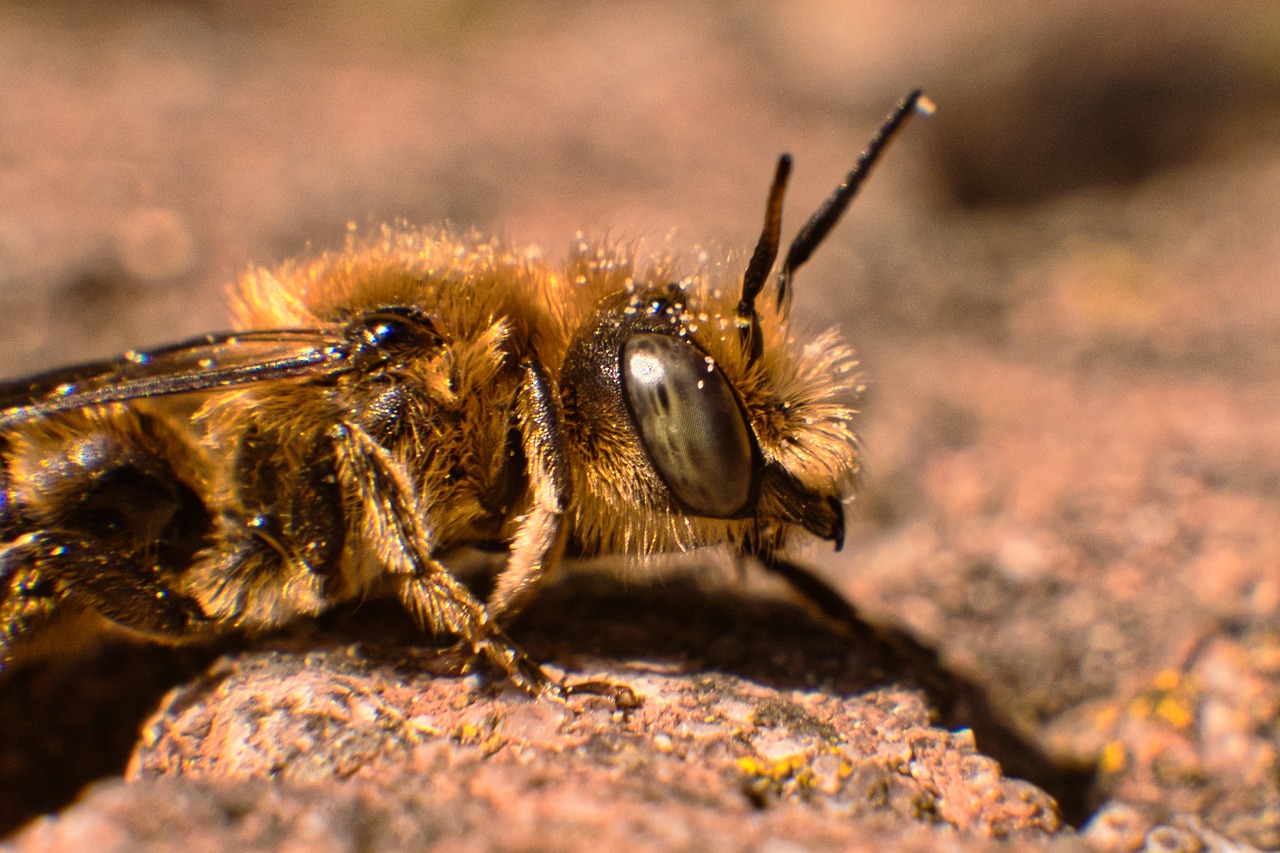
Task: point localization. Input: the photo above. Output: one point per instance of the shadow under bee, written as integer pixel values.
(67, 721)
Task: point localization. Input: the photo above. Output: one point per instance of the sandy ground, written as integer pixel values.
(1063, 286)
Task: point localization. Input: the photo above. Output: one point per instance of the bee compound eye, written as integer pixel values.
(690, 423)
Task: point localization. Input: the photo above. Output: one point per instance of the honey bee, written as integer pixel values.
(422, 392)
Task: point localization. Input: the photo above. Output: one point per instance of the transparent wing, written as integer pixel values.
(202, 364)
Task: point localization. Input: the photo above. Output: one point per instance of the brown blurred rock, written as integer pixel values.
(1063, 287)
(1205, 740)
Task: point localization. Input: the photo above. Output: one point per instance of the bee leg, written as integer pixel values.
(28, 599)
(122, 586)
(44, 575)
(816, 591)
(540, 536)
(389, 506)
(279, 538)
(94, 516)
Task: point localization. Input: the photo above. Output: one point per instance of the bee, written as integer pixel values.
(420, 393)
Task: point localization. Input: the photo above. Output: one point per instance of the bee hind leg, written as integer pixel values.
(28, 601)
(94, 517)
(48, 575)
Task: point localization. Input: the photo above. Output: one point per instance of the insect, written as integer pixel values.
(422, 392)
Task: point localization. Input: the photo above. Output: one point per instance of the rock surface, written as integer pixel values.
(1064, 289)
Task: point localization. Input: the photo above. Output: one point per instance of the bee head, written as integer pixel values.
(693, 414)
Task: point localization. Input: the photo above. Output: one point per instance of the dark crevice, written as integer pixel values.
(70, 721)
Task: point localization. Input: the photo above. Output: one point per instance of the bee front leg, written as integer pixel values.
(540, 534)
(390, 510)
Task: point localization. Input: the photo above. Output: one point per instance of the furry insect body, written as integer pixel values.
(416, 393)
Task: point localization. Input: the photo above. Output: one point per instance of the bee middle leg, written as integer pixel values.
(391, 510)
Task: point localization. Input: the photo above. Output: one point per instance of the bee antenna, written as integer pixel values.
(826, 216)
(762, 258)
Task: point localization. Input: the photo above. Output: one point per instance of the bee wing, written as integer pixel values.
(206, 363)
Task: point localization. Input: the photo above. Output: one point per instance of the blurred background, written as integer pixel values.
(150, 151)
(1064, 285)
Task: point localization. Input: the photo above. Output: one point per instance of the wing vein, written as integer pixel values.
(207, 363)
